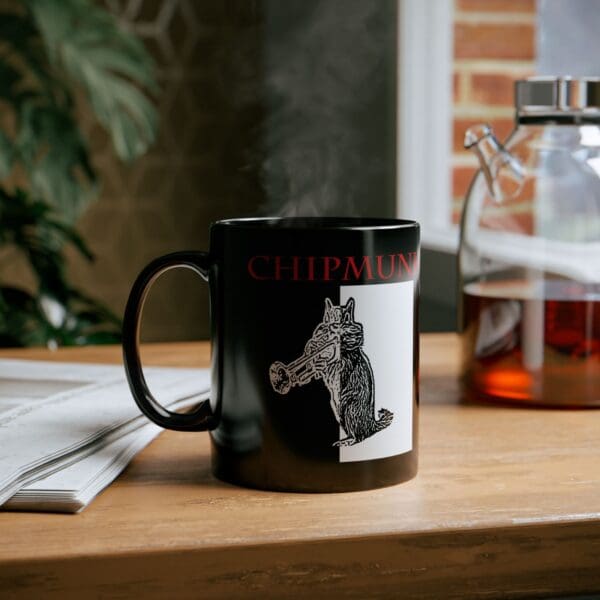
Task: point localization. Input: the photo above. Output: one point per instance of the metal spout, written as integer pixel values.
(503, 172)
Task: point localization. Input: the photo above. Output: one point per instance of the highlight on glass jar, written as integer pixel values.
(529, 256)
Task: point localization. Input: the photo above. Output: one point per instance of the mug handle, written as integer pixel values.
(202, 418)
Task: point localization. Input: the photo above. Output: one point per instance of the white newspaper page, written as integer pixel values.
(49, 412)
(73, 487)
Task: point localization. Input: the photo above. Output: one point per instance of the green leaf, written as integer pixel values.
(31, 226)
(25, 56)
(87, 44)
(56, 157)
(9, 77)
(70, 235)
(21, 322)
(7, 154)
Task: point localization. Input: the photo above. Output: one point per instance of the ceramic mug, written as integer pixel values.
(314, 351)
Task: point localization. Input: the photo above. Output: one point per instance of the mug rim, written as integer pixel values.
(319, 223)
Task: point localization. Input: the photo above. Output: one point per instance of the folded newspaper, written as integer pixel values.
(68, 429)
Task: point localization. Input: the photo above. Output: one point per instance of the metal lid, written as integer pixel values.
(557, 97)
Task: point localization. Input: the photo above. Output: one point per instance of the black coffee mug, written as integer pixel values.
(314, 352)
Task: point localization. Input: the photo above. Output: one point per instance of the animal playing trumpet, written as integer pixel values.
(334, 355)
(302, 370)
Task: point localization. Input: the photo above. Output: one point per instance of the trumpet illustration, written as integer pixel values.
(302, 370)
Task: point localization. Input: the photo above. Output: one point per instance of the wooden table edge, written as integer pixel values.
(526, 566)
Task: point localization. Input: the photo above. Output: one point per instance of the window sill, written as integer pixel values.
(440, 239)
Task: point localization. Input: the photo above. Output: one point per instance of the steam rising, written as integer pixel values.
(329, 132)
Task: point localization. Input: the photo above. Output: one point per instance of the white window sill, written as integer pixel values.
(440, 239)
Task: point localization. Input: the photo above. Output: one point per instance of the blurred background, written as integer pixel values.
(243, 107)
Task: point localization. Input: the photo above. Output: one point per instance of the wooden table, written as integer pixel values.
(507, 504)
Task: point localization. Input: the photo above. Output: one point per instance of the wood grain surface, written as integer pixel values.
(506, 505)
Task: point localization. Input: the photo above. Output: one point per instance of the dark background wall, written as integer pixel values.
(329, 131)
(438, 303)
(267, 107)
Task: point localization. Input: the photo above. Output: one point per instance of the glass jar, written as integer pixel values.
(529, 257)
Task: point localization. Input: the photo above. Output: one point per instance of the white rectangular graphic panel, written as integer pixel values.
(384, 399)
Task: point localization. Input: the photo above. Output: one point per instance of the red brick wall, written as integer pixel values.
(494, 44)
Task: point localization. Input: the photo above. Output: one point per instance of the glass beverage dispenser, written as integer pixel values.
(529, 255)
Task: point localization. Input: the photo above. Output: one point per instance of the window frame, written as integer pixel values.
(424, 123)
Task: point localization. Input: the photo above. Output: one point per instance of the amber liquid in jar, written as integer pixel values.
(533, 343)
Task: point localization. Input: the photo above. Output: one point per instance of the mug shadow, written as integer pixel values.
(163, 469)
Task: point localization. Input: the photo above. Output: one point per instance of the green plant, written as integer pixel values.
(56, 56)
